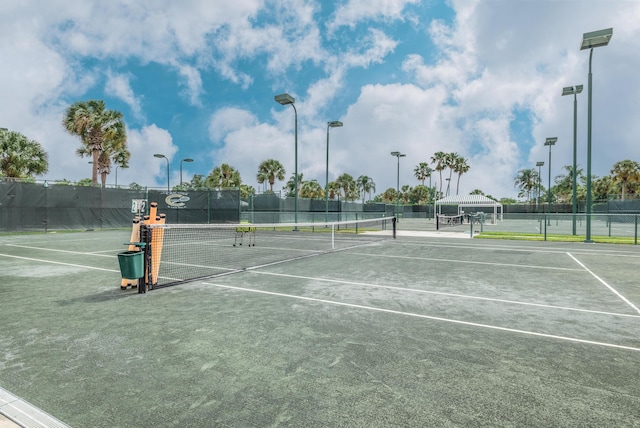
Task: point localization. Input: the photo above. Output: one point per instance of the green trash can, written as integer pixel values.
(131, 264)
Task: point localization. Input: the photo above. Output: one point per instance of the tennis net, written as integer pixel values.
(180, 253)
(450, 220)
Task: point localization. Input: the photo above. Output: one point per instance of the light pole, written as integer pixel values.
(285, 99)
(592, 40)
(158, 155)
(398, 155)
(183, 160)
(550, 142)
(570, 90)
(539, 164)
(332, 124)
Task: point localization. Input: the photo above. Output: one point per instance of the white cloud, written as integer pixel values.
(119, 86)
(354, 11)
(145, 169)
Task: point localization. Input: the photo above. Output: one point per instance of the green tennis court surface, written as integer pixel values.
(420, 331)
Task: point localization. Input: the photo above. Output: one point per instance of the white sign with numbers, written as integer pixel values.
(138, 206)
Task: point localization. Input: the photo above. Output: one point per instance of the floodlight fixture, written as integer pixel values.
(284, 99)
(596, 39)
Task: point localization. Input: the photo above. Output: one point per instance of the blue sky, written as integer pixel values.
(196, 79)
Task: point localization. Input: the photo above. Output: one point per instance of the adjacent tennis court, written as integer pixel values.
(418, 331)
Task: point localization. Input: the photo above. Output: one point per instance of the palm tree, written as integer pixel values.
(422, 172)
(526, 181)
(449, 162)
(223, 176)
(625, 172)
(460, 166)
(311, 189)
(366, 185)
(334, 189)
(405, 194)
(564, 183)
(439, 159)
(269, 170)
(291, 184)
(390, 195)
(348, 186)
(245, 191)
(102, 132)
(603, 187)
(21, 157)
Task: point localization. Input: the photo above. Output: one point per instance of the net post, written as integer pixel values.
(333, 235)
(145, 236)
(393, 223)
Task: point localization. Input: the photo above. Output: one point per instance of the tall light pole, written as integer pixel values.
(158, 155)
(550, 142)
(571, 90)
(285, 99)
(398, 155)
(592, 40)
(539, 164)
(117, 166)
(183, 160)
(332, 124)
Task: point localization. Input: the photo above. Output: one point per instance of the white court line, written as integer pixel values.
(429, 317)
(468, 262)
(613, 290)
(441, 293)
(58, 263)
(64, 251)
(533, 249)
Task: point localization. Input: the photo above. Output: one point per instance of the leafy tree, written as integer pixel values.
(20, 157)
(460, 166)
(85, 182)
(270, 170)
(366, 185)
(420, 195)
(223, 176)
(422, 172)
(625, 172)
(135, 186)
(504, 201)
(102, 134)
(477, 192)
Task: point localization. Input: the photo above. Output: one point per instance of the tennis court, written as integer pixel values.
(417, 331)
